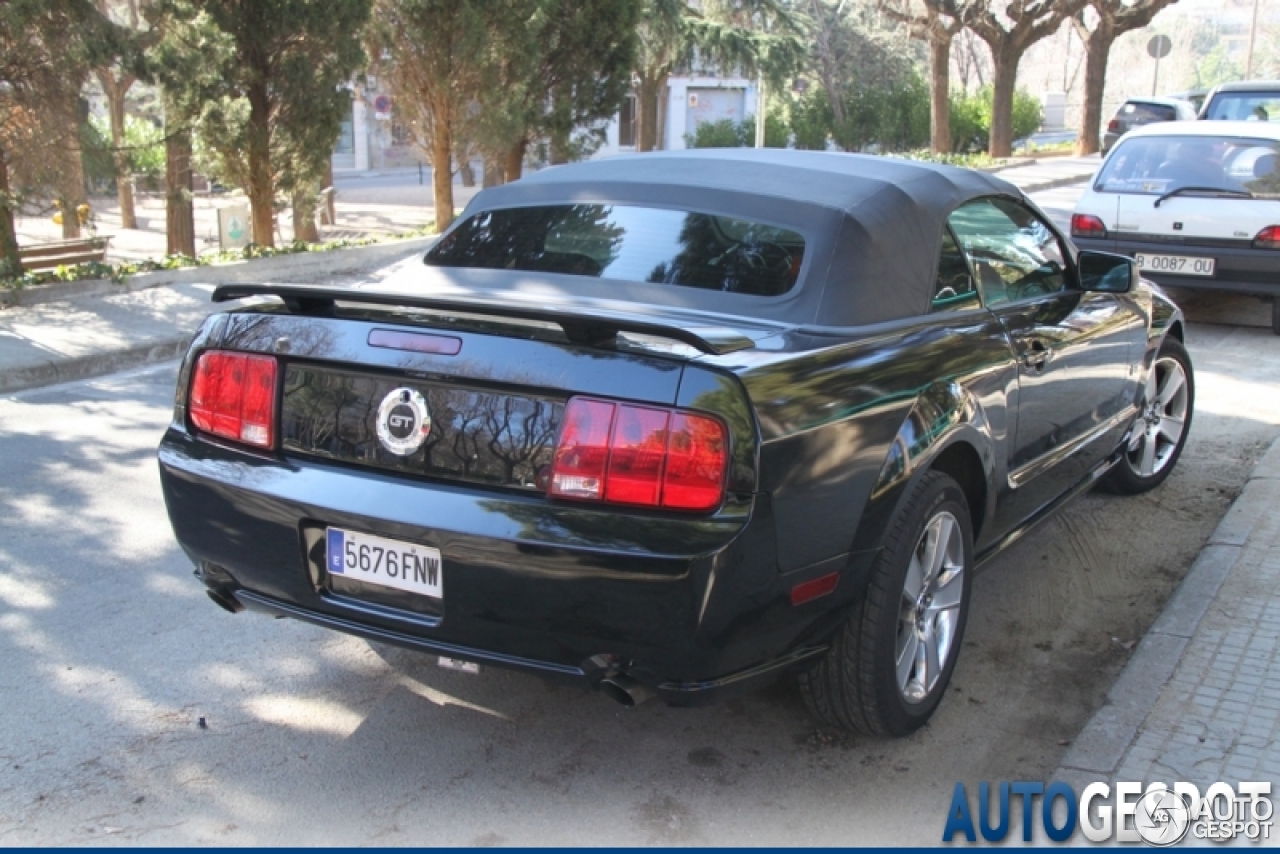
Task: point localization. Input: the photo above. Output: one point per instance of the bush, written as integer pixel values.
(811, 120)
(971, 118)
(890, 117)
(726, 133)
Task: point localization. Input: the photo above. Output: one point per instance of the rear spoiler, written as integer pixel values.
(595, 328)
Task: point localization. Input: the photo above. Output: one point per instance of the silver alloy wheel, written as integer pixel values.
(930, 609)
(1159, 428)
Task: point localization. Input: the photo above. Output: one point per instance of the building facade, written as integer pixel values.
(689, 102)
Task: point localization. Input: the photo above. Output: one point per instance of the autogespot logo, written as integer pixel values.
(1158, 815)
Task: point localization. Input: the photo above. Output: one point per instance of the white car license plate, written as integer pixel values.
(388, 563)
(1181, 265)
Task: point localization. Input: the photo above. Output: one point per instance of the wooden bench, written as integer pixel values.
(55, 253)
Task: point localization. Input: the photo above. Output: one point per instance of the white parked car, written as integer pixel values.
(1197, 204)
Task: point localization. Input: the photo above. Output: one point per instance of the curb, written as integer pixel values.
(95, 365)
(1053, 183)
(1100, 747)
(277, 265)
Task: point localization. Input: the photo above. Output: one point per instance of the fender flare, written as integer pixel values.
(944, 415)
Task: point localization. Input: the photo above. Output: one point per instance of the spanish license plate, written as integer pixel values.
(1179, 265)
(387, 563)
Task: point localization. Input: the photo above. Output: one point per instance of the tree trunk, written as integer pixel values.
(492, 172)
(559, 148)
(115, 91)
(179, 211)
(442, 175)
(940, 93)
(304, 215)
(560, 127)
(1000, 143)
(10, 260)
(514, 167)
(462, 157)
(1097, 50)
(826, 66)
(71, 192)
(261, 189)
(647, 109)
(664, 100)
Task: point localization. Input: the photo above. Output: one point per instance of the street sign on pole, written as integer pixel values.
(233, 226)
(1158, 48)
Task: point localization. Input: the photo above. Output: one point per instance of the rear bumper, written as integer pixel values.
(589, 674)
(1237, 270)
(692, 608)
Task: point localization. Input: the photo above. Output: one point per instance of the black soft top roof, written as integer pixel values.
(872, 227)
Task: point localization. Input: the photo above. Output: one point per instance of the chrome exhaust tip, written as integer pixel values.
(625, 690)
(226, 601)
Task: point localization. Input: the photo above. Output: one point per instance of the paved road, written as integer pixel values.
(137, 712)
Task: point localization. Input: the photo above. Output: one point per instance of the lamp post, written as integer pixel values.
(1253, 32)
(760, 111)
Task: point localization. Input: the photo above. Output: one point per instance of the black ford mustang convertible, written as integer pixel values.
(677, 424)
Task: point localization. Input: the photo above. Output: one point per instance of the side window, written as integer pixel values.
(954, 288)
(1014, 254)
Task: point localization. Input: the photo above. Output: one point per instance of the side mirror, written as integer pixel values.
(1106, 271)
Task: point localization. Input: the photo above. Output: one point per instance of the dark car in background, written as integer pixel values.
(1243, 101)
(679, 424)
(1136, 112)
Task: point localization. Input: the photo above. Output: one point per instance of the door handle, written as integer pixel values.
(1036, 355)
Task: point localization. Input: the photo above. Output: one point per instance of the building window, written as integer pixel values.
(627, 123)
(346, 142)
(401, 134)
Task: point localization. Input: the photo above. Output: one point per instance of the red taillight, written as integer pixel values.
(1268, 238)
(643, 456)
(1113, 125)
(1087, 225)
(233, 395)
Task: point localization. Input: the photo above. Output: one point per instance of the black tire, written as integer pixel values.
(856, 685)
(1275, 315)
(1127, 477)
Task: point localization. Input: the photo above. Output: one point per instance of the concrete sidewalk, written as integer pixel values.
(1050, 172)
(93, 335)
(1199, 701)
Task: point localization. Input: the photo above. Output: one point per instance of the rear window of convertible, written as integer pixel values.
(638, 244)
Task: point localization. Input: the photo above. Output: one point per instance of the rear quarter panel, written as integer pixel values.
(832, 408)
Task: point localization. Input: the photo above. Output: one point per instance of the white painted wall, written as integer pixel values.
(677, 119)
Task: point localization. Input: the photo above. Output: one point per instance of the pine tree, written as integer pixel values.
(47, 48)
(277, 107)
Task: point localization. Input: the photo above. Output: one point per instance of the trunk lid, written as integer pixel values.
(491, 381)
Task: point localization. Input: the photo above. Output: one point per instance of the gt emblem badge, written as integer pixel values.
(403, 421)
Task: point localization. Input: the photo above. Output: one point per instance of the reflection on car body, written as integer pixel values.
(642, 425)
